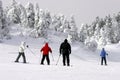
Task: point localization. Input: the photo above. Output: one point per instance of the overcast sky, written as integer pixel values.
(85, 11)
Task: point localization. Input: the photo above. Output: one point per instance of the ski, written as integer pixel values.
(22, 62)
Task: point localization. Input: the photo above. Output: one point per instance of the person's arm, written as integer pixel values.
(23, 47)
(60, 49)
(41, 49)
(27, 46)
(69, 48)
(50, 50)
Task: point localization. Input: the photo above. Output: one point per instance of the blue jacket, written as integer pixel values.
(103, 53)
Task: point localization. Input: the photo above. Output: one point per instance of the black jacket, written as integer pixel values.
(65, 48)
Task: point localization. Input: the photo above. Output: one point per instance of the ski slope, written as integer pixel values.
(85, 64)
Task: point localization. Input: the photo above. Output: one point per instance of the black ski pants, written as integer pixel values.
(103, 59)
(47, 58)
(23, 55)
(66, 58)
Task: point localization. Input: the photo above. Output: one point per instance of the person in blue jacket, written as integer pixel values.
(103, 56)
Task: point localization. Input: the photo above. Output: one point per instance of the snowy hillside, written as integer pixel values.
(36, 26)
(85, 64)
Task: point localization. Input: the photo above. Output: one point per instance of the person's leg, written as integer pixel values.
(43, 58)
(18, 57)
(64, 59)
(24, 58)
(105, 61)
(68, 60)
(101, 60)
(48, 60)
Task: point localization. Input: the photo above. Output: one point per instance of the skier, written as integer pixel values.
(103, 56)
(45, 49)
(21, 52)
(65, 50)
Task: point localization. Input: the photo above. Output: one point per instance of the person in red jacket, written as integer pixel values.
(46, 49)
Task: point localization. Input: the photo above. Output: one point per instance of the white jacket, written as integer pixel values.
(22, 47)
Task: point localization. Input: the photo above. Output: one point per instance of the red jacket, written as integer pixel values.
(46, 49)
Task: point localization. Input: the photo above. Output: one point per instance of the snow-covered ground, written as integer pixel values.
(85, 64)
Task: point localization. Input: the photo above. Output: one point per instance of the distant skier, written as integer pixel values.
(46, 49)
(65, 50)
(21, 52)
(103, 56)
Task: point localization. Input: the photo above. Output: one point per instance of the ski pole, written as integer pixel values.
(52, 57)
(58, 59)
(31, 51)
(40, 56)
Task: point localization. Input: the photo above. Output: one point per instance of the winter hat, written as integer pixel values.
(65, 40)
(23, 42)
(46, 44)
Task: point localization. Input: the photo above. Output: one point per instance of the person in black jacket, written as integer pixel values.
(65, 50)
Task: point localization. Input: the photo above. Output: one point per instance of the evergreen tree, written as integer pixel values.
(13, 13)
(37, 16)
(23, 16)
(83, 33)
(30, 15)
(42, 25)
(91, 43)
(66, 26)
(42, 31)
(73, 29)
(116, 30)
(102, 40)
(108, 30)
(56, 22)
(117, 17)
(97, 32)
(3, 23)
(1, 16)
(48, 19)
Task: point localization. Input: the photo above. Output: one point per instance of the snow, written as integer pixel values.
(85, 64)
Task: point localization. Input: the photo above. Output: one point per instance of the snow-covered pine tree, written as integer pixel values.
(3, 22)
(30, 15)
(83, 32)
(108, 30)
(97, 32)
(42, 14)
(23, 16)
(41, 26)
(102, 40)
(117, 17)
(66, 23)
(37, 16)
(13, 13)
(62, 26)
(1, 16)
(42, 31)
(73, 29)
(90, 43)
(69, 38)
(48, 19)
(116, 29)
(99, 23)
(56, 22)
(66, 26)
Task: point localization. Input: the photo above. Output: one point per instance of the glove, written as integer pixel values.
(27, 46)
